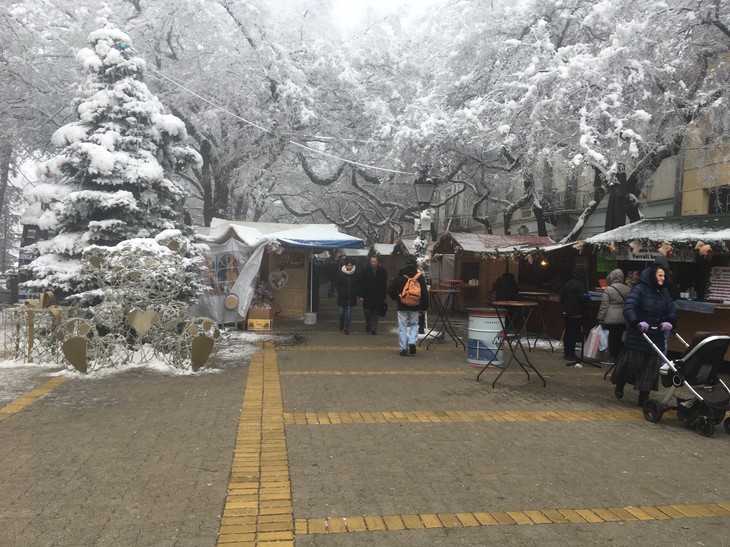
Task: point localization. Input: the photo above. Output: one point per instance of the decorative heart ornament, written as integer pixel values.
(142, 321)
(74, 349)
(200, 350)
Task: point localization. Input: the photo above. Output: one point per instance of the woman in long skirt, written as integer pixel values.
(649, 309)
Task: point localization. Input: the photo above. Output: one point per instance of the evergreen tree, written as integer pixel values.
(113, 169)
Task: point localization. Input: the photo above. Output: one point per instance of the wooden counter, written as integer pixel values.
(689, 322)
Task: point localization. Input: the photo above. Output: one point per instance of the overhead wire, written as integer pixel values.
(265, 130)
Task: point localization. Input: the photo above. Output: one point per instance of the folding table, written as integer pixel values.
(513, 334)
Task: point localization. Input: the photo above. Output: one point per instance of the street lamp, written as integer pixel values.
(425, 187)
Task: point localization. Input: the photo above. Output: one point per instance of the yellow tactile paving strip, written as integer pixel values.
(258, 506)
(259, 511)
(31, 397)
(422, 372)
(457, 416)
(359, 523)
(352, 348)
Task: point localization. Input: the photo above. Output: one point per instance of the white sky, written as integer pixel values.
(347, 13)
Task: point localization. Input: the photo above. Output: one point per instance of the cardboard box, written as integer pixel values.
(259, 319)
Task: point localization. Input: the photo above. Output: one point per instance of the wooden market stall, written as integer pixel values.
(475, 261)
(697, 250)
(393, 256)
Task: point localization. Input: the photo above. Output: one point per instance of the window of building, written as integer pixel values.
(720, 200)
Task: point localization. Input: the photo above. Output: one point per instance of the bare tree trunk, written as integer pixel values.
(206, 181)
(6, 154)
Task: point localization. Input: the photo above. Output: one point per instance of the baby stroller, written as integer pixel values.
(697, 371)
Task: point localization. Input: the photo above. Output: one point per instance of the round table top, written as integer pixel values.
(443, 291)
(514, 303)
(534, 293)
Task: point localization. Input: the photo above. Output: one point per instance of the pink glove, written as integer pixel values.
(666, 327)
(644, 326)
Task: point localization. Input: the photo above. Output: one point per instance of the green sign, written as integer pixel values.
(605, 264)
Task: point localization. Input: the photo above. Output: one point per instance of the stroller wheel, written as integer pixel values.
(726, 424)
(652, 411)
(705, 427)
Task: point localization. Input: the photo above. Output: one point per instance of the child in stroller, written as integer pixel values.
(697, 371)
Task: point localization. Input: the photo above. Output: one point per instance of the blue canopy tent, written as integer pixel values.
(243, 244)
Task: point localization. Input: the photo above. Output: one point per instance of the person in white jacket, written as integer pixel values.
(610, 314)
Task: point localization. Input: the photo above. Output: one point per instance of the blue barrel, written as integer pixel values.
(484, 337)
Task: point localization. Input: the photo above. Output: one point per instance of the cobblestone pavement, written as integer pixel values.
(322, 439)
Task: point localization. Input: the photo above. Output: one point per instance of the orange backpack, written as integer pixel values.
(411, 293)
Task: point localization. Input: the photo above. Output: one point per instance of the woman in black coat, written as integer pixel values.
(649, 309)
(348, 289)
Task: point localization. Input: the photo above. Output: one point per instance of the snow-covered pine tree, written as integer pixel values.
(113, 169)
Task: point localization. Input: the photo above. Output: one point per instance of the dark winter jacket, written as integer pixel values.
(652, 304)
(611, 311)
(670, 282)
(399, 281)
(574, 300)
(373, 287)
(347, 286)
(505, 288)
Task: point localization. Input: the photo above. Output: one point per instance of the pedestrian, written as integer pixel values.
(670, 282)
(347, 291)
(330, 276)
(408, 313)
(506, 288)
(611, 313)
(373, 290)
(649, 309)
(575, 304)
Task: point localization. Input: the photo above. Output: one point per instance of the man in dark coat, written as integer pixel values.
(347, 291)
(575, 304)
(373, 288)
(408, 315)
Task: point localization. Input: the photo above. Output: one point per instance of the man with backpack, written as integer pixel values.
(409, 290)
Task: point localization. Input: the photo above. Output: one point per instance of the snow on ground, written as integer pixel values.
(234, 349)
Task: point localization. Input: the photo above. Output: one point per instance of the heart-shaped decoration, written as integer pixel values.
(74, 350)
(142, 321)
(199, 351)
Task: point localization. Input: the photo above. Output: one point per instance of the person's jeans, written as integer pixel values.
(371, 319)
(345, 316)
(407, 328)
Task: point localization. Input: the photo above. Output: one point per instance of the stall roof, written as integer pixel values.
(387, 249)
(456, 242)
(318, 236)
(686, 229)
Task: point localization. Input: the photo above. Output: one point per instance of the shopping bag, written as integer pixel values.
(383, 308)
(603, 344)
(590, 348)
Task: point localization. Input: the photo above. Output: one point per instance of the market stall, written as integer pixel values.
(475, 261)
(272, 261)
(697, 251)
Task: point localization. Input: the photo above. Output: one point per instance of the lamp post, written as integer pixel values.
(425, 187)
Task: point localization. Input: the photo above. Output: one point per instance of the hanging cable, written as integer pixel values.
(260, 128)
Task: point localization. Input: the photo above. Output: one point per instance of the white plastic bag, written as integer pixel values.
(590, 348)
(603, 343)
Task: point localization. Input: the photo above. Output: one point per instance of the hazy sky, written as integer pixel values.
(348, 12)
